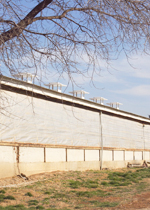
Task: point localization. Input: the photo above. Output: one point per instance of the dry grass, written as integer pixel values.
(76, 190)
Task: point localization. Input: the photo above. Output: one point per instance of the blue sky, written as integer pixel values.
(127, 84)
(125, 81)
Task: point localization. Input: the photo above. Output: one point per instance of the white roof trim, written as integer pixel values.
(55, 84)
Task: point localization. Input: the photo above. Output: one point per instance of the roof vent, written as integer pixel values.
(79, 93)
(100, 99)
(116, 104)
(58, 86)
(27, 77)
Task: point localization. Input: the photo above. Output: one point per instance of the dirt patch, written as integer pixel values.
(141, 201)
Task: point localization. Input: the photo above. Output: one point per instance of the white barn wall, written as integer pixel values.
(36, 120)
(138, 155)
(123, 133)
(107, 155)
(92, 155)
(75, 155)
(55, 154)
(146, 155)
(118, 155)
(31, 155)
(128, 155)
(7, 154)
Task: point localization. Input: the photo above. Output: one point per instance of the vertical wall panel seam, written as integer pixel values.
(66, 155)
(142, 155)
(44, 155)
(124, 157)
(112, 155)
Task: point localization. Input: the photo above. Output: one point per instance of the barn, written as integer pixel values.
(43, 130)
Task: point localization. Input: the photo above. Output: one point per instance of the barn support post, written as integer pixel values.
(101, 140)
(18, 158)
(17, 155)
(143, 153)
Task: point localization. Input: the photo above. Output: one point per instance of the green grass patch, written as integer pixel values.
(1, 197)
(83, 194)
(77, 207)
(40, 207)
(74, 184)
(19, 207)
(45, 201)
(87, 184)
(104, 204)
(9, 197)
(93, 193)
(28, 194)
(104, 183)
(59, 195)
(91, 183)
(127, 178)
(8, 208)
(2, 191)
(32, 202)
(119, 183)
(47, 193)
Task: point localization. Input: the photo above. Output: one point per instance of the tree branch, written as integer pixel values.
(17, 30)
(84, 9)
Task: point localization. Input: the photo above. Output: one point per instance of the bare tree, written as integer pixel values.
(63, 33)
